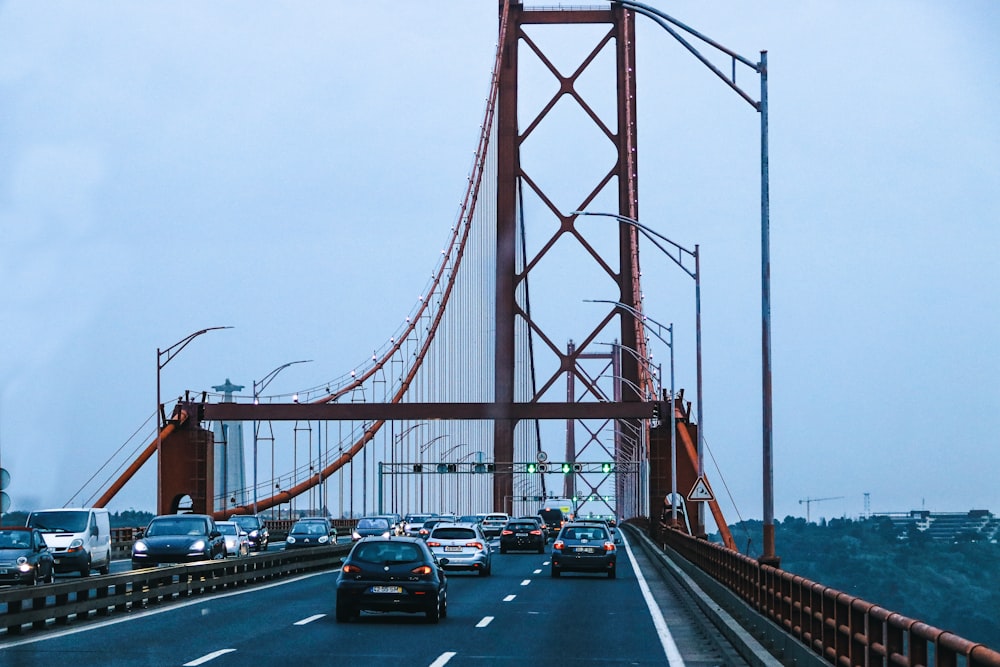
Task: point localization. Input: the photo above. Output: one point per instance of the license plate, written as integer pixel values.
(453, 548)
(387, 589)
(522, 534)
(585, 550)
(3, 571)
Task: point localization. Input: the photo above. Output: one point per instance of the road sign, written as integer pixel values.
(542, 456)
(700, 491)
(4, 501)
(4, 479)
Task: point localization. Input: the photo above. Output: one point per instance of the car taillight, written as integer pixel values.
(352, 569)
(506, 532)
(423, 569)
(609, 546)
(475, 545)
(557, 545)
(536, 532)
(433, 544)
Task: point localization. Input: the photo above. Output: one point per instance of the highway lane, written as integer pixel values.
(519, 615)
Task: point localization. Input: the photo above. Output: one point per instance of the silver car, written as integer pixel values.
(463, 545)
(237, 539)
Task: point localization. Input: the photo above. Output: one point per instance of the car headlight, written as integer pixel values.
(23, 565)
(75, 545)
(253, 534)
(355, 535)
(198, 545)
(290, 540)
(139, 547)
(385, 534)
(324, 539)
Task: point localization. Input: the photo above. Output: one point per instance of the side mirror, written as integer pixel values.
(618, 540)
(214, 534)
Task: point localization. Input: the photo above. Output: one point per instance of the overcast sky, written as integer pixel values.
(291, 170)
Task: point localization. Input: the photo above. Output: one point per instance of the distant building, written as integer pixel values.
(947, 526)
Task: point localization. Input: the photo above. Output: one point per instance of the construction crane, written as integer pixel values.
(810, 501)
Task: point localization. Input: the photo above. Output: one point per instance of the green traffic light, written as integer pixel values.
(566, 468)
(532, 467)
(606, 467)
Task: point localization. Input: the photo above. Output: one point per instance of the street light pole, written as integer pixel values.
(258, 386)
(673, 424)
(169, 353)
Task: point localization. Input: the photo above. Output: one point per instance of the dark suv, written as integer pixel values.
(257, 532)
(178, 538)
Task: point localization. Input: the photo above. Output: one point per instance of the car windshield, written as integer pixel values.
(383, 552)
(373, 524)
(227, 528)
(247, 522)
(14, 539)
(176, 526)
(450, 533)
(309, 528)
(59, 522)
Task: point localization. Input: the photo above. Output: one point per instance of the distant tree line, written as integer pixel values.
(953, 586)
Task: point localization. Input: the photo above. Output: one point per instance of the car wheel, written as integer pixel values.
(51, 579)
(106, 569)
(443, 611)
(611, 573)
(555, 571)
(541, 549)
(503, 550)
(434, 612)
(85, 570)
(486, 571)
(344, 612)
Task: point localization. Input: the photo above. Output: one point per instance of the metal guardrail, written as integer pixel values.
(839, 627)
(101, 596)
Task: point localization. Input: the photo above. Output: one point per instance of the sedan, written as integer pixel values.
(237, 539)
(256, 529)
(178, 538)
(24, 557)
(392, 574)
(522, 535)
(371, 525)
(583, 547)
(463, 546)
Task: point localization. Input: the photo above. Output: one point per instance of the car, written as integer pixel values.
(471, 518)
(24, 557)
(601, 522)
(391, 574)
(395, 522)
(412, 523)
(463, 545)
(584, 547)
(257, 532)
(554, 519)
(237, 540)
(522, 535)
(309, 533)
(538, 520)
(371, 525)
(494, 523)
(178, 538)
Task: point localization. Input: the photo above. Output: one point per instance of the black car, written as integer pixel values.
(392, 574)
(24, 557)
(368, 526)
(522, 535)
(178, 538)
(310, 533)
(584, 547)
(257, 532)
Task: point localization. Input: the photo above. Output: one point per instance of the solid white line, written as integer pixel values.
(509, 598)
(443, 659)
(674, 658)
(486, 621)
(211, 656)
(315, 617)
(526, 582)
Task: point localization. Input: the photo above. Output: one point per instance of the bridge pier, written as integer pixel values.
(186, 462)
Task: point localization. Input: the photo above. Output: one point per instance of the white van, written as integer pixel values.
(79, 539)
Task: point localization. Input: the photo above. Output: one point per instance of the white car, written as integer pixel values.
(237, 539)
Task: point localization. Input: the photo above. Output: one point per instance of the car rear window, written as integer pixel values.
(377, 524)
(522, 526)
(384, 552)
(585, 533)
(447, 533)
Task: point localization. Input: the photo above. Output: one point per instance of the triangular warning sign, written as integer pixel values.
(700, 491)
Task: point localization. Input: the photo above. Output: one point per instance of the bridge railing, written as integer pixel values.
(841, 628)
(77, 599)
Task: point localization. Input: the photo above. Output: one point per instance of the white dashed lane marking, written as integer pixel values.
(486, 621)
(211, 656)
(309, 620)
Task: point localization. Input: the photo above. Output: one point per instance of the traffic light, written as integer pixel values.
(567, 468)
(607, 467)
(532, 467)
(417, 467)
(447, 467)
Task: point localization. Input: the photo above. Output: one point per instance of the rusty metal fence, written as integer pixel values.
(841, 628)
